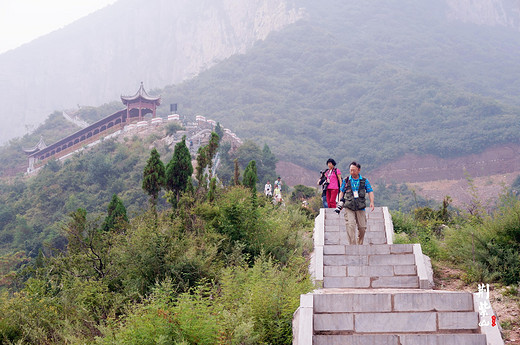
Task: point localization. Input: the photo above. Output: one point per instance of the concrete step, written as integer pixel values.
(399, 317)
(368, 249)
(370, 271)
(401, 339)
(338, 221)
(340, 237)
(353, 301)
(369, 260)
(431, 322)
(373, 323)
(365, 282)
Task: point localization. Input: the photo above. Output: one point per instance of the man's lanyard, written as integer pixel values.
(354, 183)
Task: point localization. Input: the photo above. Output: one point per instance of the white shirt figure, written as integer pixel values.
(268, 189)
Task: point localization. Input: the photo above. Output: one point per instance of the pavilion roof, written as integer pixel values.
(140, 94)
(40, 146)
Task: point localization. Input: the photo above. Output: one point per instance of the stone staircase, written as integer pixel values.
(380, 293)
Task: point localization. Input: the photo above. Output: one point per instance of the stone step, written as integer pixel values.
(340, 237)
(343, 229)
(429, 322)
(370, 271)
(368, 249)
(365, 282)
(401, 339)
(369, 260)
(345, 301)
(338, 220)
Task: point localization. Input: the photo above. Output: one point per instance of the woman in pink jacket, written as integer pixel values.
(333, 176)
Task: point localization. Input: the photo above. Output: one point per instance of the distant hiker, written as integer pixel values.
(268, 189)
(321, 182)
(333, 176)
(278, 183)
(352, 196)
(277, 194)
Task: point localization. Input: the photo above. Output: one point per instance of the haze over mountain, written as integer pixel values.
(436, 77)
(109, 52)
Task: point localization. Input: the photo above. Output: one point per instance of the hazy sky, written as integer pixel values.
(21, 21)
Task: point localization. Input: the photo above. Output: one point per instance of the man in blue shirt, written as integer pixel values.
(353, 195)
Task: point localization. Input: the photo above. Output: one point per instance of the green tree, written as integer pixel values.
(212, 189)
(250, 176)
(302, 192)
(219, 130)
(153, 176)
(116, 218)
(202, 163)
(205, 160)
(212, 149)
(179, 169)
(267, 170)
(225, 168)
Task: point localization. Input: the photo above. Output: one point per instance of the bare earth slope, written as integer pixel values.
(433, 177)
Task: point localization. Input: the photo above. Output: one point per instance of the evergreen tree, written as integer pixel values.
(212, 149)
(219, 131)
(267, 170)
(179, 169)
(202, 163)
(212, 189)
(225, 168)
(153, 176)
(205, 159)
(250, 176)
(116, 218)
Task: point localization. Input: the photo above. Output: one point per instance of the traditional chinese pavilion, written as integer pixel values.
(137, 107)
(140, 104)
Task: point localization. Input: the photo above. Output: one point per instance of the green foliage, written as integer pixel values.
(399, 197)
(302, 192)
(248, 306)
(153, 176)
(489, 250)
(250, 176)
(219, 130)
(212, 189)
(173, 127)
(205, 156)
(179, 170)
(265, 162)
(116, 219)
(417, 231)
(150, 285)
(426, 226)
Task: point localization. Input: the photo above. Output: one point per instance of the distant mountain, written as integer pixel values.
(353, 80)
(108, 53)
(370, 81)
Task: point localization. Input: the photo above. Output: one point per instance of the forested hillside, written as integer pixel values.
(367, 81)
